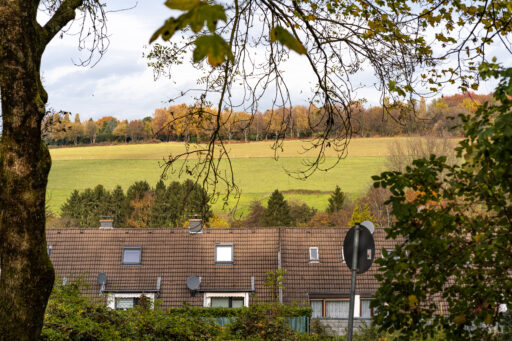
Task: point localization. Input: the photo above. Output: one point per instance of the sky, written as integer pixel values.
(121, 84)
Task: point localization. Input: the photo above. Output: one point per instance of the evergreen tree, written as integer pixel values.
(359, 215)
(72, 208)
(174, 203)
(196, 199)
(159, 210)
(278, 211)
(336, 201)
(119, 207)
(137, 190)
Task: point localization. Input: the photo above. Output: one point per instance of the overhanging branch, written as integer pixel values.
(64, 14)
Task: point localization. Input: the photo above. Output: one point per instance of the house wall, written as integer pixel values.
(339, 326)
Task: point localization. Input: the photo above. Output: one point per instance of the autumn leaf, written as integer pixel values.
(198, 14)
(182, 5)
(281, 35)
(213, 47)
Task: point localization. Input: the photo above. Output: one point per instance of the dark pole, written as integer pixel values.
(353, 284)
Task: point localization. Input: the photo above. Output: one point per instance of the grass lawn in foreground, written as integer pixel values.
(256, 177)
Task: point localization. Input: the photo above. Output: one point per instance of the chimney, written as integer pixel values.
(106, 223)
(195, 225)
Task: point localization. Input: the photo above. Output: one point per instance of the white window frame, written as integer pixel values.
(317, 259)
(230, 245)
(207, 300)
(111, 298)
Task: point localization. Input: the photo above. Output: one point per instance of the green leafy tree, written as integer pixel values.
(278, 211)
(275, 281)
(256, 214)
(336, 201)
(359, 215)
(457, 231)
(301, 213)
(27, 274)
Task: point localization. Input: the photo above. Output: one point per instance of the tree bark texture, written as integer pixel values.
(27, 274)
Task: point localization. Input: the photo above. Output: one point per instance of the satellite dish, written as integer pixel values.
(193, 282)
(102, 278)
(369, 225)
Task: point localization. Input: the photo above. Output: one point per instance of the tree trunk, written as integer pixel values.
(27, 275)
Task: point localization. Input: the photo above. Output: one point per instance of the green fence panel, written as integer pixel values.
(299, 323)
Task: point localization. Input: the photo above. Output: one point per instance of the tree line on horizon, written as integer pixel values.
(195, 123)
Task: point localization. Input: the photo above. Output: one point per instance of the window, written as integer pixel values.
(224, 253)
(132, 255)
(313, 254)
(318, 308)
(337, 309)
(366, 311)
(125, 301)
(226, 299)
(227, 302)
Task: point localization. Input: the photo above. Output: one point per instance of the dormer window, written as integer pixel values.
(224, 253)
(314, 257)
(132, 255)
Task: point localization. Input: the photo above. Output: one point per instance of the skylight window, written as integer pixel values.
(224, 253)
(313, 254)
(132, 255)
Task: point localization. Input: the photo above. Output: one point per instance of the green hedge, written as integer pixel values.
(275, 308)
(72, 316)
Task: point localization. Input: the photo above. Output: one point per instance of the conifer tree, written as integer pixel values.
(174, 204)
(278, 211)
(119, 207)
(137, 190)
(160, 208)
(336, 201)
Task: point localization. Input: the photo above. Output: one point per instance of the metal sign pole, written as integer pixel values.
(353, 284)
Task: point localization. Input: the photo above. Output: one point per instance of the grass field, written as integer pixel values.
(257, 173)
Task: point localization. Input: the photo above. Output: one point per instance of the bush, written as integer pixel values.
(71, 316)
(260, 322)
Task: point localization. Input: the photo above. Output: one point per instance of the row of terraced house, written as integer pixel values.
(216, 267)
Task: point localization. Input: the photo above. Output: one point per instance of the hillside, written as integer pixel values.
(257, 173)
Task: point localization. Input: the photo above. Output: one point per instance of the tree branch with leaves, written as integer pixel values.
(413, 47)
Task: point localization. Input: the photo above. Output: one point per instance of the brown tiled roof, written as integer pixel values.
(330, 276)
(174, 255)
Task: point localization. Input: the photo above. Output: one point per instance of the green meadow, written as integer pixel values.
(257, 173)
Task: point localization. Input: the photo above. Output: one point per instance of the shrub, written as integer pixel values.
(71, 316)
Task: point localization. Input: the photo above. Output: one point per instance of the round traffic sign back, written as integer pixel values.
(366, 249)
